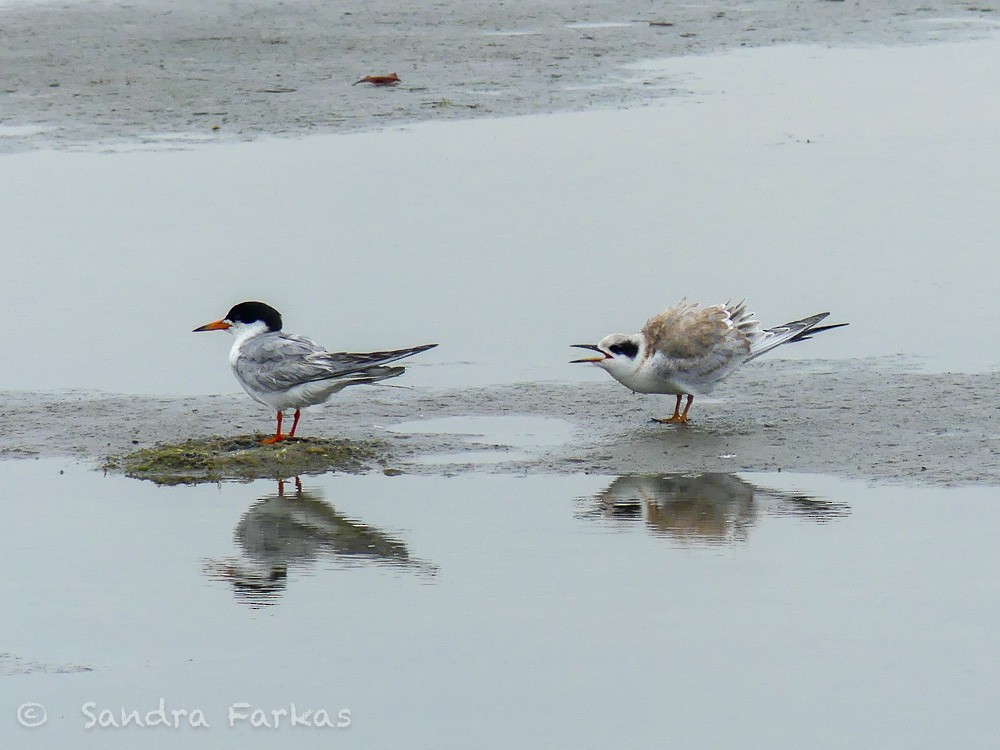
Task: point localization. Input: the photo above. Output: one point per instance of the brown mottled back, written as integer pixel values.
(689, 331)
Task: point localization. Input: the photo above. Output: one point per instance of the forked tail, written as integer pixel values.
(797, 330)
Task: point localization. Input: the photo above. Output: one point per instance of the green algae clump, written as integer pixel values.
(243, 458)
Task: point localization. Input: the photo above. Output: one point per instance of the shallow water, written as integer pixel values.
(574, 611)
(795, 177)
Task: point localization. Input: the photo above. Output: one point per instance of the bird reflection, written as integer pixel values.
(703, 508)
(297, 528)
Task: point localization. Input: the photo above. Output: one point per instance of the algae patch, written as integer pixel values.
(243, 458)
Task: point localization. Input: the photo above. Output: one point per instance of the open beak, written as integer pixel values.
(217, 325)
(594, 348)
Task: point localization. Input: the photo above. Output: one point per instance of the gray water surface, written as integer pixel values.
(701, 611)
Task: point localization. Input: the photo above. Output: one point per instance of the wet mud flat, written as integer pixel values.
(875, 419)
(84, 73)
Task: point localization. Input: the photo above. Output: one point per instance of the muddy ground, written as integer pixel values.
(868, 419)
(83, 73)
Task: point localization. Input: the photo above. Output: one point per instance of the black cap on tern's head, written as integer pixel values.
(251, 312)
(246, 313)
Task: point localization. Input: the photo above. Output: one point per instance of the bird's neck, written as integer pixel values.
(243, 333)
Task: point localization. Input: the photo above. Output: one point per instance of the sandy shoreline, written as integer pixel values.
(80, 74)
(865, 419)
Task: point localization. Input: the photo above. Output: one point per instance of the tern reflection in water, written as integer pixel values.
(703, 508)
(296, 529)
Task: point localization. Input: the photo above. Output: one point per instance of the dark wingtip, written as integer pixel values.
(415, 350)
(830, 327)
(810, 332)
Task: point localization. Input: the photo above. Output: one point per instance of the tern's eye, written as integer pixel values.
(627, 348)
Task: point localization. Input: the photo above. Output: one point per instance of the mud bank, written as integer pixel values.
(81, 73)
(242, 458)
(867, 419)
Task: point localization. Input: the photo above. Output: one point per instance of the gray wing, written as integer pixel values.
(797, 330)
(276, 361)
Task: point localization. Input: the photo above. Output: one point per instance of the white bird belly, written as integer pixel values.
(648, 382)
(296, 397)
(649, 379)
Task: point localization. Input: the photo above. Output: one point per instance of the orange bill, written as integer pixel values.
(215, 325)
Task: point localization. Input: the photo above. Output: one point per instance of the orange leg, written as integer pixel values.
(277, 437)
(281, 486)
(295, 423)
(678, 417)
(687, 408)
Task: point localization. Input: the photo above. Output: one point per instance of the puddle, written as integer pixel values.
(800, 602)
(519, 431)
(22, 131)
(602, 24)
(531, 435)
(512, 32)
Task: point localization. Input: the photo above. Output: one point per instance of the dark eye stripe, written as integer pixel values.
(626, 348)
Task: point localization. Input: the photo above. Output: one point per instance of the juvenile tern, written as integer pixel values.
(284, 371)
(687, 349)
